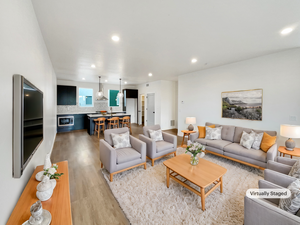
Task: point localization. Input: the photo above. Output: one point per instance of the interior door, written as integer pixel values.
(150, 109)
(140, 110)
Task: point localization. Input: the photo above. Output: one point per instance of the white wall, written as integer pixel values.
(165, 101)
(23, 51)
(199, 93)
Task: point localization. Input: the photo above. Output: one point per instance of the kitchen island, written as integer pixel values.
(92, 117)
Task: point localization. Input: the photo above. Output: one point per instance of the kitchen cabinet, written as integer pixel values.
(66, 95)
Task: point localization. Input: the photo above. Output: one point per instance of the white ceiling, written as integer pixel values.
(160, 36)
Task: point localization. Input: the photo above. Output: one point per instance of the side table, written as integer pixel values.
(295, 152)
(186, 133)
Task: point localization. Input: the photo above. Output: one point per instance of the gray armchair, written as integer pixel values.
(281, 165)
(158, 149)
(119, 160)
(262, 211)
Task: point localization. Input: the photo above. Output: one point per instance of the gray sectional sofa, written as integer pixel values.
(230, 148)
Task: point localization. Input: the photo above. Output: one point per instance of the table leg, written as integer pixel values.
(183, 140)
(291, 156)
(221, 185)
(283, 154)
(203, 199)
(188, 136)
(168, 177)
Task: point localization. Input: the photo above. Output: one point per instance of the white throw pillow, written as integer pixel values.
(156, 135)
(257, 140)
(247, 139)
(121, 140)
(213, 133)
(291, 204)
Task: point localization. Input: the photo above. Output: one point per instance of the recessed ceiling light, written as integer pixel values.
(105, 80)
(287, 30)
(150, 74)
(115, 38)
(83, 78)
(194, 60)
(125, 82)
(93, 66)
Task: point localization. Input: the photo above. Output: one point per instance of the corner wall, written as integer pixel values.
(199, 93)
(23, 51)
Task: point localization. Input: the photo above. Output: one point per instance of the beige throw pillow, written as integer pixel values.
(156, 135)
(247, 139)
(121, 140)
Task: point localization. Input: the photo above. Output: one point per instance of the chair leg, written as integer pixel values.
(152, 162)
(99, 131)
(174, 153)
(101, 165)
(145, 166)
(111, 177)
(130, 129)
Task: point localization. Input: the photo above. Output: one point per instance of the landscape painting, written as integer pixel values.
(242, 104)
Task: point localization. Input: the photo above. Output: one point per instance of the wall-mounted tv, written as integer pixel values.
(27, 122)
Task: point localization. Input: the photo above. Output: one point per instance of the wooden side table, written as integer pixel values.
(186, 133)
(295, 152)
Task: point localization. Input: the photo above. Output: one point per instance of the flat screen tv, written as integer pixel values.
(27, 122)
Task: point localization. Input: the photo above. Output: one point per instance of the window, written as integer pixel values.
(86, 97)
(113, 99)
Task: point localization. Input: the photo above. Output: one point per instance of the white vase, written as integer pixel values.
(47, 162)
(45, 189)
(39, 176)
(44, 195)
(202, 154)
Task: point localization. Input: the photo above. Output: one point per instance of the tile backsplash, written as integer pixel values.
(98, 106)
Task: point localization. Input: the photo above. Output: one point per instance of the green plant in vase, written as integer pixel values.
(195, 149)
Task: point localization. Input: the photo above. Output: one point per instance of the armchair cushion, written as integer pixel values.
(121, 140)
(127, 154)
(163, 145)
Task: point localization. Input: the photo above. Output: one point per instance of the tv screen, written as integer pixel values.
(33, 119)
(27, 122)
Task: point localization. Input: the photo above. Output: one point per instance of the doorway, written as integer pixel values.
(150, 109)
(141, 114)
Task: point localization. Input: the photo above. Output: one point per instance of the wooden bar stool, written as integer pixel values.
(98, 123)
(125, 121)
(114, 122)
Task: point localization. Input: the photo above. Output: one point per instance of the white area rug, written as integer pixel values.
(145, 199)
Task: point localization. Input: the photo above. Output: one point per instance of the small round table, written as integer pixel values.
(295, 152)
(186, 133)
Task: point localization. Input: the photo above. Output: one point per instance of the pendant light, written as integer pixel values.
(100, 92)
(120, 94)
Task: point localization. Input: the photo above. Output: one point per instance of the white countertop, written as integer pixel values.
(100, 115)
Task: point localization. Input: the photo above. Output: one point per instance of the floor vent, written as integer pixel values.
(172, 123)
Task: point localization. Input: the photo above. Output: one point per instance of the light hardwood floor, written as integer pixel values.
(92, 201)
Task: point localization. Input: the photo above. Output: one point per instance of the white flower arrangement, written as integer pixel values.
(51, 172)
(194, 148)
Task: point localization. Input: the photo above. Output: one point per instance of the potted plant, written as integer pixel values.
(195, 149)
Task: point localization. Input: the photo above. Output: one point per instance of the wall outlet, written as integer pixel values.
(293, 118)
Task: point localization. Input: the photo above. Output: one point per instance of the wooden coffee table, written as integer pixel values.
(202, 175)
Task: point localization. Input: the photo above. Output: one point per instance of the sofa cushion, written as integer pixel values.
(227, 133)
(237, 149)
(127, 154)
(163, 145)
(202, 141)
(220, 144)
